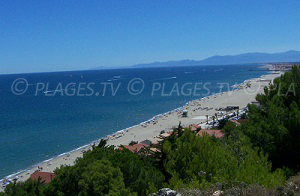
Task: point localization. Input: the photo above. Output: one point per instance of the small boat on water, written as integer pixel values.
(53, 91)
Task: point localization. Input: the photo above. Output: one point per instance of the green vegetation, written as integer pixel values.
(257, 158)
(275, 127)
(207, 161)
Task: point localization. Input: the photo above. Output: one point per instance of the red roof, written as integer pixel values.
(136, 147)
(216, 133)
(236, 122)
(164, 135)
(46, 176)
(194, 127)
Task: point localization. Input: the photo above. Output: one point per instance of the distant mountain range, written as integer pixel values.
(255, 57)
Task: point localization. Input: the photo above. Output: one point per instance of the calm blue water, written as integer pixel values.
(36, 128)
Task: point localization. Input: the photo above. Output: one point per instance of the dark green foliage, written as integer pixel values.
(102, 143)
(30, 187)
(136, 174)
(228, 128)
(101, 177)
(222, 123)
(179, 129)
(205, 162)
(97, 178)
(244, 116)
(275, 126)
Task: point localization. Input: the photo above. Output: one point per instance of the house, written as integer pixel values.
(136, 148)
(236, 122)
(184, 113)
(165, 135)
(216, 133)
(194, 127)
(155, 141)
(155, 150)
(45, 176)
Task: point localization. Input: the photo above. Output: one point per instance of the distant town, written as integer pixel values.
(282, 66)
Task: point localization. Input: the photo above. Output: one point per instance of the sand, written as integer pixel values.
(166, 122)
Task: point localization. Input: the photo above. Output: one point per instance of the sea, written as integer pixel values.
(44, 115)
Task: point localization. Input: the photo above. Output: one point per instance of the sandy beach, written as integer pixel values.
(197, 111)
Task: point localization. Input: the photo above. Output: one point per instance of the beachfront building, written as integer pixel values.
(184, 113)
(194, 127)
(155, 141)
(165, 135)
(136, 148)
(236, 122)
(46, 177)
(216, 133)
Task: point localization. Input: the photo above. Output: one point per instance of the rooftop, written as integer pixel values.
(216, 133)
(46, 176)
(135, 148)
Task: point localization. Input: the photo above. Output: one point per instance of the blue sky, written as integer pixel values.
(38, 36)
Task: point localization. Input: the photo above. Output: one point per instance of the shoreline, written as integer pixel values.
(152, 127)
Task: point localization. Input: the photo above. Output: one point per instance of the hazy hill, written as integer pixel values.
(255, 57)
